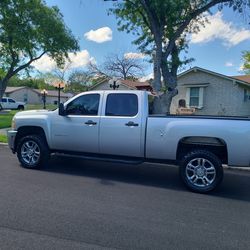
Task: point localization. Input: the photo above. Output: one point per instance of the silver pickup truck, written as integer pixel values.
(117, 126)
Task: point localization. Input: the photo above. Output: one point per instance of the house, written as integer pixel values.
(123, 85)
(34, 96)
(211, 93)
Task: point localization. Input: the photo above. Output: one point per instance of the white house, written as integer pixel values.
(34, 96)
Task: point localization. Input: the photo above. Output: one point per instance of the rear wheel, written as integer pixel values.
(20, 107)
(32, 151)
(201, 171)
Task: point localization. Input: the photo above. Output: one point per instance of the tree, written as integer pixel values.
(162, 28)
(122, 66)
(28, 30)
(246, 64)
(78, 81)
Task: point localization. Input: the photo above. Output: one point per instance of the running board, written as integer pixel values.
(104, 159)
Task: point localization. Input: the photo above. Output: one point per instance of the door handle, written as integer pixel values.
(131, 124)
(90, 122)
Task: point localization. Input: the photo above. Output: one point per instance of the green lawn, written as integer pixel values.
(3, 138)
(5, 119)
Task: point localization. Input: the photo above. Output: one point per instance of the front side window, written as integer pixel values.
(194, 97)
(84, 105)
(121, 105)
(10, 100)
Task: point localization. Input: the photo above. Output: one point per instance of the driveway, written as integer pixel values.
(76, 204)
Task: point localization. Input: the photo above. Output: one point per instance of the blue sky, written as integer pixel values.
(218, 47)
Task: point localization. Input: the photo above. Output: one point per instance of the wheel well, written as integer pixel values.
(215, 145)
(29, 130)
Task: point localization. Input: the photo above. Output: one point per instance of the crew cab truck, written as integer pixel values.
(9, 103)
(116, 125)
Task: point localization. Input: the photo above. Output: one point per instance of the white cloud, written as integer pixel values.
(133, 55)
(80, 59)
(101, 35)
(217, 28)
(229, 64)
(44, 64)
(147, 77)
(241, 67)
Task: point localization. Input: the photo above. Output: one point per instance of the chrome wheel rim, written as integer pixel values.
(30, 152)
(200, 172)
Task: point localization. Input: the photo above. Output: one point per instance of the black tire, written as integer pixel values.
(201, 171)
(37, 144)
(20, 107)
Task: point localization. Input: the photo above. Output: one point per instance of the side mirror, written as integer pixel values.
(62, 111)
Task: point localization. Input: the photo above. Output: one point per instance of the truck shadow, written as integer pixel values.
(236, 183)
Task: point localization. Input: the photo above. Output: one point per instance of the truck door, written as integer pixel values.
(121, 125)
(11, 104)
(78, 130)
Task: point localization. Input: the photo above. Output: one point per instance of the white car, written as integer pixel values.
(9, 103)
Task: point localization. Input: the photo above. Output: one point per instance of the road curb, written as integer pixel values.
(237, 168)
(3, 144)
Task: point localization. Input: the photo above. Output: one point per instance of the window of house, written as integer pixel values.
(25, 97)
(195, 97)
(121, 105)
(84, 105)
(246, 95)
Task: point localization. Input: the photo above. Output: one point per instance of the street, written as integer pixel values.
(78, 204)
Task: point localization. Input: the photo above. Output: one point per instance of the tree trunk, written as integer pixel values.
(3, 85)
(162, 103)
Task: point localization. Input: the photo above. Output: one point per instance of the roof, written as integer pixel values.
(128, 83)
(236, 79)
(52, 93)
(13, 89)
(245, 78)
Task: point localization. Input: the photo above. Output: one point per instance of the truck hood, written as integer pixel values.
(33, 112)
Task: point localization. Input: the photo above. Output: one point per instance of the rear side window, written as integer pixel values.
(4, 100)
(121, 105)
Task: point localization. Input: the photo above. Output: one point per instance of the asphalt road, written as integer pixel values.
(76, 204)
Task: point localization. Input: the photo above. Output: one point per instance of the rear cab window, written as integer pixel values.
(121, 104)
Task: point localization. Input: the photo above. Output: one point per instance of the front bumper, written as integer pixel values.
(11, 134)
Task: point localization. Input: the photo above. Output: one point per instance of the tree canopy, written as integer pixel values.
(162, 28)
(246, 64)
(28, 30)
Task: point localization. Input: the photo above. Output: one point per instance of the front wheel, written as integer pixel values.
(32, 151)
(201, 171)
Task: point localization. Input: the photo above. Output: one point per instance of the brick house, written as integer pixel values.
(211, 93)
